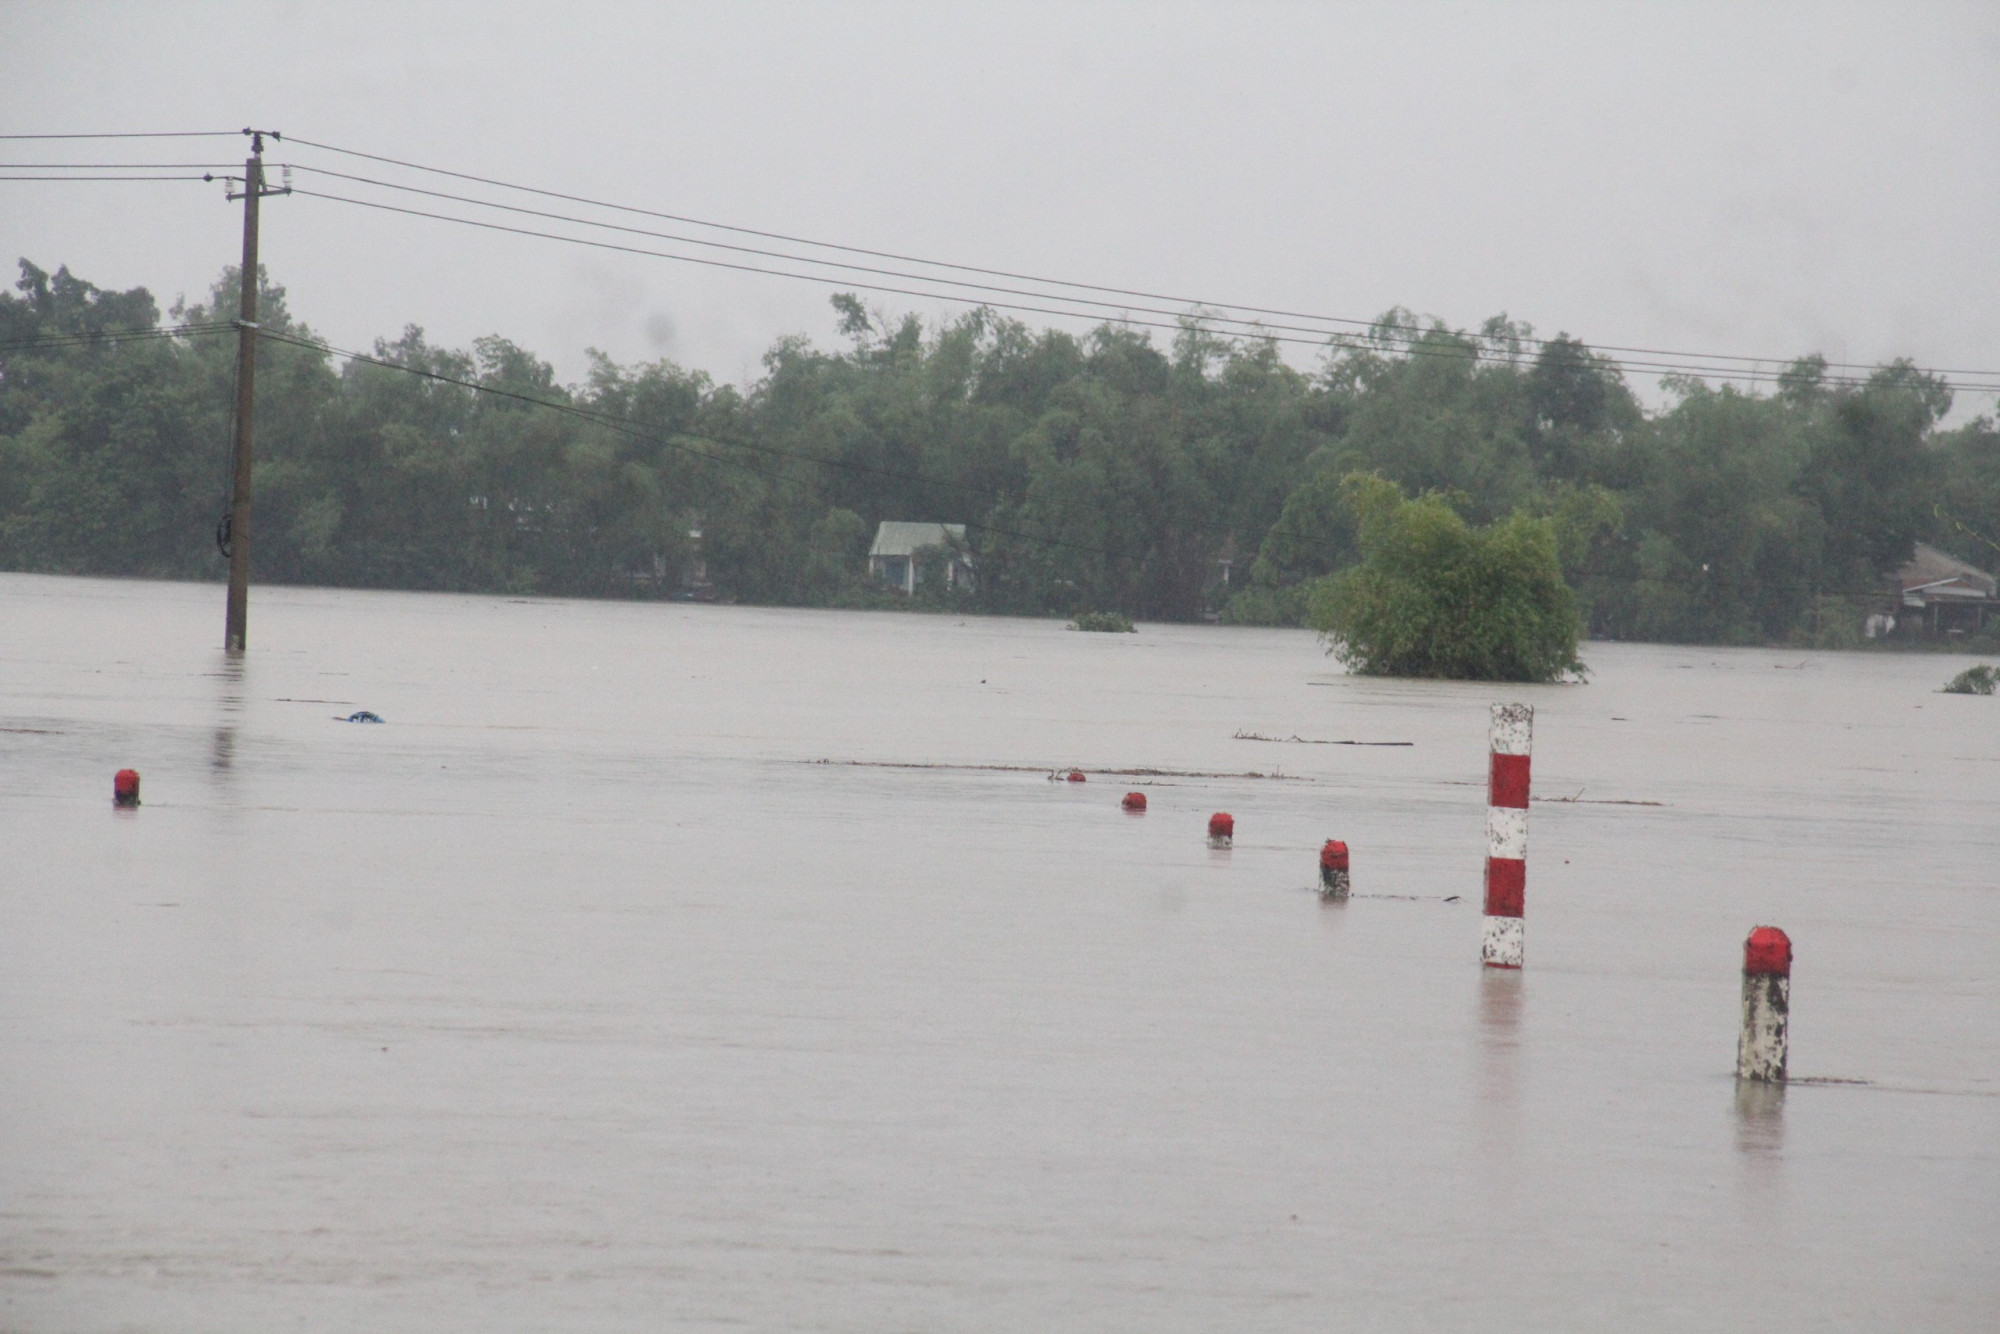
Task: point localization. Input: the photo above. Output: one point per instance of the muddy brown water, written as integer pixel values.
(582, 994)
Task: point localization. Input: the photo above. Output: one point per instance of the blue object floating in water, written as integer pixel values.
(363, 716)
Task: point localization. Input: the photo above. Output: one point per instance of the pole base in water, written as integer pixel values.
(1501, 945)
(1767, 1007)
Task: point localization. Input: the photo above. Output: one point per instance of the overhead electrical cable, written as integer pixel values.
(1217, 318)
(1350, 321)
(784, 255)
(741, 268)
(86, 338)
(1195, 319)
(1105, 309)
(116, 166)
(1206, 315)
(141, 134)
(73, 177)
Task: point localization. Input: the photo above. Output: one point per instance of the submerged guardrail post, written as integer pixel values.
(1221, 830)
(1767, 1005)
(1510, 736)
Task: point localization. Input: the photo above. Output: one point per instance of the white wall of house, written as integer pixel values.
(893, 559)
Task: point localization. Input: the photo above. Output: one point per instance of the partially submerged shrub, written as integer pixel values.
(1109, 621)
(1435, 596)
(1978, 680)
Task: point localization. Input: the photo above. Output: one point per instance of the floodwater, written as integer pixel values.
(665, 967)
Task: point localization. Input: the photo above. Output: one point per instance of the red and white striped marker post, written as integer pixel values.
(1507, 834)
(1767, 1005)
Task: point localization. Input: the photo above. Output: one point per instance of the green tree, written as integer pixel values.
(1968, 516)
(1435, 596)
(1098, 471)
(1870, 471)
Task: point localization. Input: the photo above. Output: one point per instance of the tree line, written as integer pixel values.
(1166, 479)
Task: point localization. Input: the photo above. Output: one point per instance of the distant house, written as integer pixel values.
(1936, 594)
(895, 558)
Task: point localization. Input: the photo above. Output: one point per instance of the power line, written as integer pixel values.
(1209, 313)
(114, 336)
(1938, 511)
(756, 250)
(1413, 347)
(1033, 278)
(142, 134)
(116, 166)
(741, 268)
(106, 178)
(1254, 329)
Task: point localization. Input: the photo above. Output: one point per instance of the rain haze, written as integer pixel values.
(1174, 802)
(1765, 180)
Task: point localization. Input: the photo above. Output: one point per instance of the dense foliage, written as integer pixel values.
(1979, 680)
(1097, 472)
(1436, 596)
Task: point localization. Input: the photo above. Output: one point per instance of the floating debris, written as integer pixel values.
(1978, 680)
(1059, 775)
(1296, 740)
(362, 716)
(1401, 898)
(1580, 800)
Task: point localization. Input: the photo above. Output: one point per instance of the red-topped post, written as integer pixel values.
(125, 788)
(1767, 1005)
(1221, 830)
(1511, 733)
(1333, 880)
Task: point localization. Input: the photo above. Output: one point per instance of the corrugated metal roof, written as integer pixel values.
(895, 538)
(1930, 568)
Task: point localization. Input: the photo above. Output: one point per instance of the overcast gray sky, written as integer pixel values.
(1766, 180)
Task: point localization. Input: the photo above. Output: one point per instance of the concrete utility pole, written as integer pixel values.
(236, 538)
